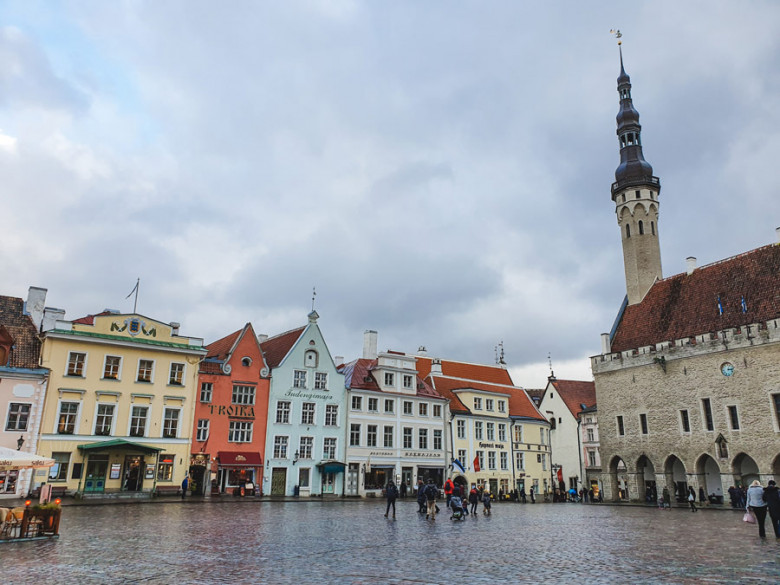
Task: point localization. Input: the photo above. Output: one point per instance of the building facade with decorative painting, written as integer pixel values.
(305, 443)
(119, 411)
(688, 379)
(231, 414)
(23, 384)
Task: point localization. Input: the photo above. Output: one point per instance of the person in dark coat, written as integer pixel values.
(421, 497)
(184, 485)
(772, 499)
(403, 490)
(473, 499)
(391, 493)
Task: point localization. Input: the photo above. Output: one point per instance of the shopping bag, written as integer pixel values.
(749, 517)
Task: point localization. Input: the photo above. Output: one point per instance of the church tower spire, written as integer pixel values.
(635, 193)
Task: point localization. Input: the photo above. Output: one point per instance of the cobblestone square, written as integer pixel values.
(351, 543)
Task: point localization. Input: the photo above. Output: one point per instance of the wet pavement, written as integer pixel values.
(351, 543)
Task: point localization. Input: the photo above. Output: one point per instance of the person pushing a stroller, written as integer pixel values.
(456, 504)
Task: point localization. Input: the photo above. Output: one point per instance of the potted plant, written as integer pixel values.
(49, 515)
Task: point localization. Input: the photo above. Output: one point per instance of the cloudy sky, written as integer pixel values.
(439, 171)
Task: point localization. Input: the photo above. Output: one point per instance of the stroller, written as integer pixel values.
(457, 508)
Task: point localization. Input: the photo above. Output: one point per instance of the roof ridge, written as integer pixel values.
(721, 261)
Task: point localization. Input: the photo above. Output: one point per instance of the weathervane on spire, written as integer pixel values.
(617, 34)
(549, 360)
(313, 296)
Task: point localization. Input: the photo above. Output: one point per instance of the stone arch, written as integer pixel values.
(652, 211)
(618, 479)
(708, 475)
(745, 470)
(645, 479)
(462, 482)
(776, 469)
(676, 478)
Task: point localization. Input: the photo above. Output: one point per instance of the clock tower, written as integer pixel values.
(635, 193)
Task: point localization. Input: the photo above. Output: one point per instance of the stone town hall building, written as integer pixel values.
(688, 381)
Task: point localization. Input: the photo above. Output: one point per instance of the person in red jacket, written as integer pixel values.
(448, 487)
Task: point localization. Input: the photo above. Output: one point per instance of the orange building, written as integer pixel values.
(230, 415)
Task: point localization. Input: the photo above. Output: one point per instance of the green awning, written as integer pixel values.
(331, 466)
(118, 445)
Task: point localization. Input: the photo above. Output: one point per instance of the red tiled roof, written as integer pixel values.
(27, 347)
(575, 393)
(491, 374)
(275, 348)
(686, 305)
(220, 348)
(357, 375)
(519, 402)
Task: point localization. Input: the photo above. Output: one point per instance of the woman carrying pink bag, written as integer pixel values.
(757, 505)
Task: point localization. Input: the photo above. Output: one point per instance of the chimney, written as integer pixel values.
(35, 305)
(691, 262)
(50, 318)
(436, 367)
(175, 327)
(262, 337)
(369, 344)
(338, 360)
(606, 346)
(422, 350)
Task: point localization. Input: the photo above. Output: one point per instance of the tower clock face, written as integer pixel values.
(727, 369)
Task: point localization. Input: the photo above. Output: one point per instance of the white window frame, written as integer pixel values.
(112, 426)
(83, 365)
(438, 442)
(408, 381)
(520, 460)
(356, 403)
(477, 403)
(179, 421)
(202, 430)
(148, 408)
(138, 371)
(389, 402)
(408, 438)
(206, 389)
(389, 379)
(240, 431)
(437, 411)
(171, 379)
(76, 420)
(329, 445)
(320, 380)
(18, 429)
(280, 410)
(305, 447)
(502, 432)
(502, 406)
(299, 379)
(422, 438)
(503, 460)
(373, 404)
(478, 430)
(460, 426)
(408, 408)
(118, 376)
(308, 413)
(422, 409)
(281, 447)
(245, 393)
(489, 404)
(331, 415)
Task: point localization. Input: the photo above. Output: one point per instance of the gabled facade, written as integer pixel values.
(119, 413)
(231, 414)
(397, 424)
(305, 443)
(591, 455)
(23, 384)
(561, 403)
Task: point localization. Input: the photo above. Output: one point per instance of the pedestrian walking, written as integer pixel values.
(692, 498)
(531, 493)
(702, 496)
(391, 493)
(522, 495)
(473, 499)
(448, 487)
(772, 499)
(665, 499)
(420, 497)
(486, 503)
(757, 504)
(185, 483)
(403, 489)
(431, 491)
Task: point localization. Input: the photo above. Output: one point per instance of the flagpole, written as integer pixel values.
(135, 301)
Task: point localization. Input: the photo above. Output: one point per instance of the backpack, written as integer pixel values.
(392, 492)
(431, 492)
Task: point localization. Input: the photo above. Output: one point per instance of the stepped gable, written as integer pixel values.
(686, 305)
(26, 345)
(466, 371)
(575, 393)
(275, 348)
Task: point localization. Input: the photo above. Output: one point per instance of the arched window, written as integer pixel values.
(246, 361)
(628, 231)
(641, 228)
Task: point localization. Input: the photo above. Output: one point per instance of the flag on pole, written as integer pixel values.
(457, 465)
(135, 288)
(560, 474)
(720, 306)
(476, 463)
(744, 304)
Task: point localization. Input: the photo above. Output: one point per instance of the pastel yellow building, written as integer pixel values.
(118, 416)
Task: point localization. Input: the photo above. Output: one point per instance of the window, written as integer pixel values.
(592, 435)
(165, 467)
(544, 462)
(408, 407)
(488, 404)
(643, 423)
(320, 381)
(104, 419)
(243, 394)
(641, 228)
(462, 456)
(388, 436)
(138, 421)
(111, 367)
(310, 358)
(478, 430)
(491, 459)
(373, 405)
(303, 477)
(408, 381)
(331, 415)
(423, 439)
(776, 401)
(206, 390)
(652, 227)
(628, 231)
(357, 403)
(707, 407)
(437, 439)
(389, 406)
(502, 432)
(66, 424)
(305, 446)
(76, 363)
(18, 416)
(684, 420)
(477, 403)
(370, 435)
(734, 418)
(437, 410)
(621, 428)
(354, 435)
(520, 461)
(299, 379)
(491, 431)
(203, 430)
(504, 460)
(280, 447)
(423, 409)
(329, 448)
(518, 433)
(407, 438)
(145, 370)
(240, 431)
(176, 377)
(307, 413)
(283, 412)
(481, 459)
(461, 426)
(591, 458)
(59, 471)
(246, 361)
(501, 406)
(171, 423)
(389, 379)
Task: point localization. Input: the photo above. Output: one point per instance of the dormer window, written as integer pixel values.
(408, 381)
(477, 403)
(389, 379)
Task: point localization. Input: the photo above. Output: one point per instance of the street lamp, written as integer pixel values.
(19, 443)
(295, 458)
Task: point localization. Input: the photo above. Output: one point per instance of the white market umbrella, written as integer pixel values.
(10, 460)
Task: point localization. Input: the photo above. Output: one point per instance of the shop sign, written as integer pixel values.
(116, 469)
(295, 393)
(233, 410)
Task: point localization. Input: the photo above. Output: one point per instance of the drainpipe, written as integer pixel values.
(579, 451)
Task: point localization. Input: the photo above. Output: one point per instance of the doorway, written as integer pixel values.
(352, 479)
(328, 482)
(97, 467)
(133, 474)
(278, 481)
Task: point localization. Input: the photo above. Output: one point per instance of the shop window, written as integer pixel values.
(303, 477)
(59, 471)
(165, 467)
